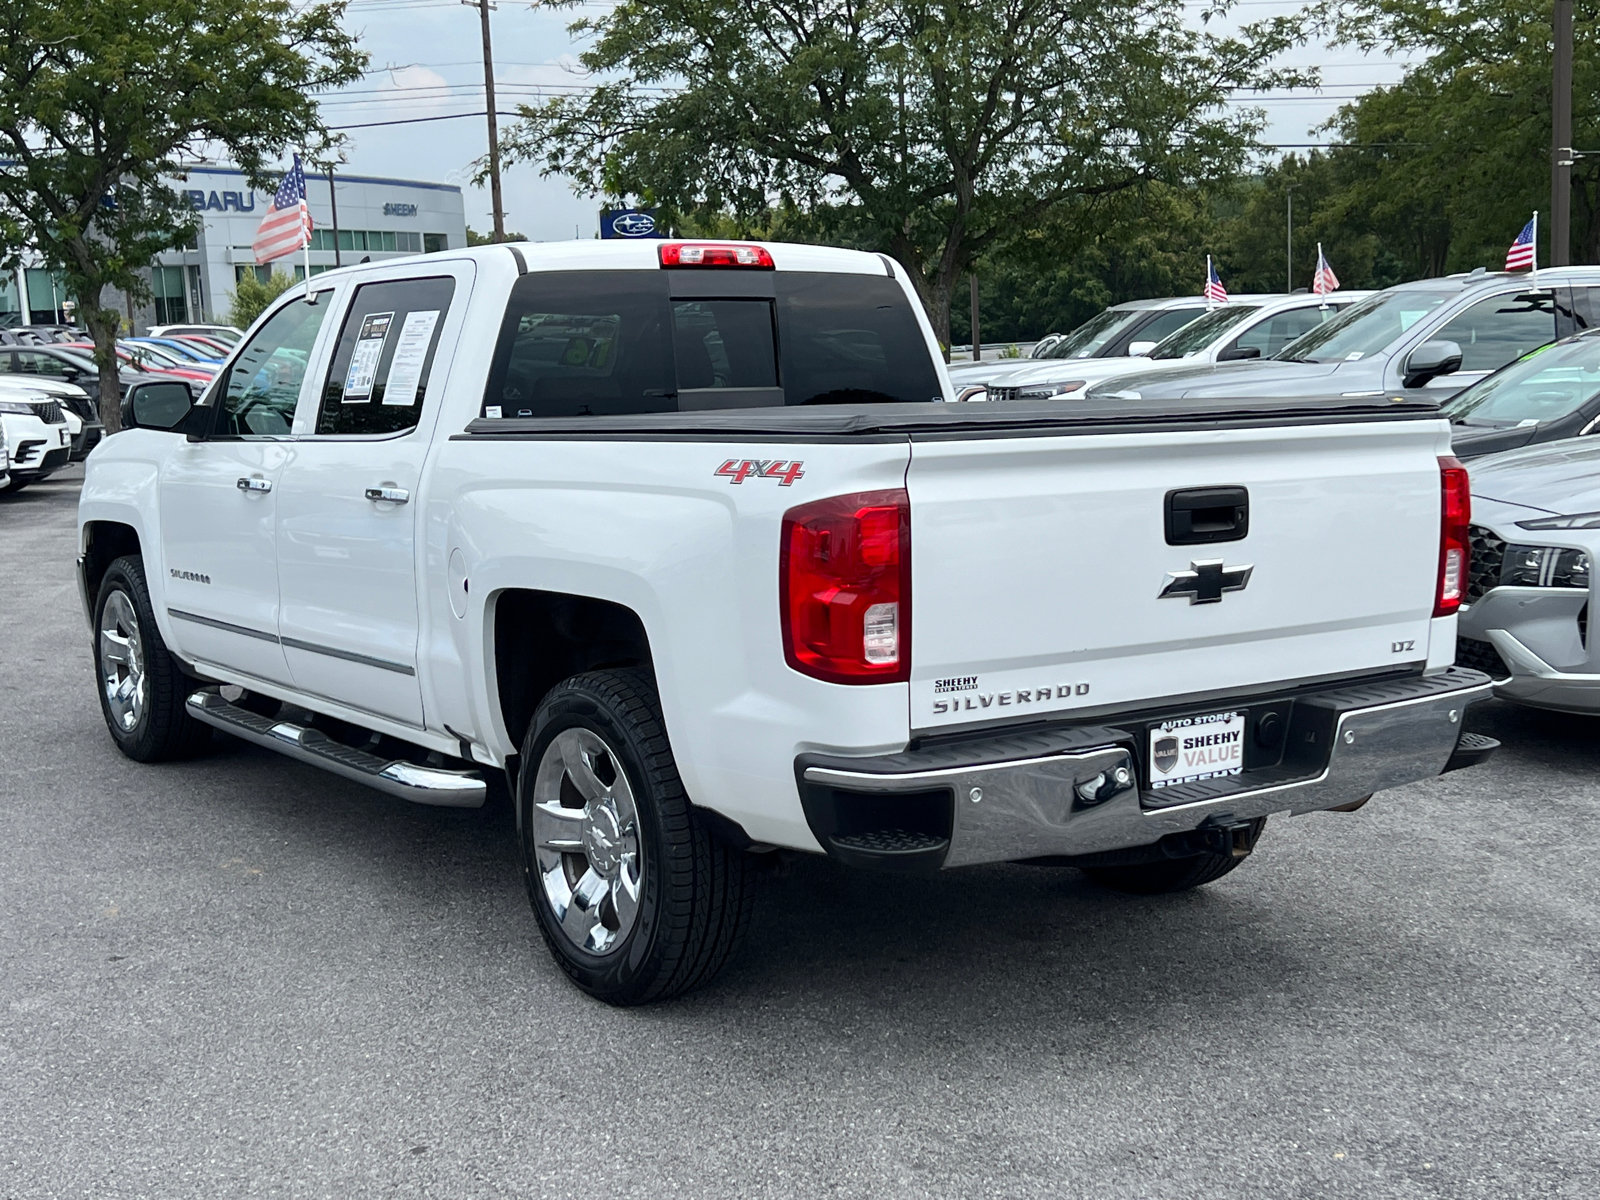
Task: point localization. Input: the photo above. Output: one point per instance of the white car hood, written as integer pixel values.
(34, 383)
(1065, 370)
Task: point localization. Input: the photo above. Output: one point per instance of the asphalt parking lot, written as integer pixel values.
(241, 977)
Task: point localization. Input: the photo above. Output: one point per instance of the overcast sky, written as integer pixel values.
(427, 62)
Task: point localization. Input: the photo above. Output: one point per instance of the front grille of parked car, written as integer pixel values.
(1003, 393)
(1481, 656)
(47, 411)
(1488, 556)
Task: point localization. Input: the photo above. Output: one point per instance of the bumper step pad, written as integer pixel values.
(438, 786)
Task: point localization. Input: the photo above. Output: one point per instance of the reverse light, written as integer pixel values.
(1455, 512)
(845, 588)
(715, 254)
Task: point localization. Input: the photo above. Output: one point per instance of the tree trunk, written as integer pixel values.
(103, 324)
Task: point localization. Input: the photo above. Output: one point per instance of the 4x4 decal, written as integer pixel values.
(738, 470)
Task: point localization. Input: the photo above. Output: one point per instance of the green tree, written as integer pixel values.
(1445, 167)
(251, 297)
(102, 102)
(937, 131)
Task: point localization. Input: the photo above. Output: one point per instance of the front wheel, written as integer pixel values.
(1173, 874)
(635, 899)
(142, 690)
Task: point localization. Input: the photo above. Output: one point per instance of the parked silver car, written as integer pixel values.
(1535, 538)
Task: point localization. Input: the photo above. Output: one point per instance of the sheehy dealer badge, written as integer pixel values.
(1192, 748)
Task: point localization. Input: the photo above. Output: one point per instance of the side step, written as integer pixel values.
(421, 785)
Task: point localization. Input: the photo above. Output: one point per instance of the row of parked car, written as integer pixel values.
(50, 388)
(1512, 360)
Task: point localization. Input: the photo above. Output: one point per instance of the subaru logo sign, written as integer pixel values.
(628, 223)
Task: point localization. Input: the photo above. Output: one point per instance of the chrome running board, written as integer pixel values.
(438, 786)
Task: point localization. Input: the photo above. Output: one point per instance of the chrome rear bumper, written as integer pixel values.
(1076, 791)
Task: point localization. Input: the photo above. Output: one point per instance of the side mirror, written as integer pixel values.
(1140, 349)
(1429, 360)
(156, 404)
(1238, 353)
(71, 374)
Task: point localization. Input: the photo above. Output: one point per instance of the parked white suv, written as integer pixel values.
(38, 436)
(1242, 330)
(684, 539)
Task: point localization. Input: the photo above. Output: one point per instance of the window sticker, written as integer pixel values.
(410, 351)
(364, 362)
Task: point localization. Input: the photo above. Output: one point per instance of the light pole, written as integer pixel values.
(1561, 139)
(1288, 259)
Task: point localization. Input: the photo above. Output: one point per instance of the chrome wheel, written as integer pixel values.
(122, 671)
(586, 841)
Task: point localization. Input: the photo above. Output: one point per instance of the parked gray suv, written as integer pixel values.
(1422, 340)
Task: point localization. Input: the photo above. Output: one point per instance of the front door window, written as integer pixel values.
(264, 381)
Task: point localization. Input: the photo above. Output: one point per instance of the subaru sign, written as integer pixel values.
(628, 223)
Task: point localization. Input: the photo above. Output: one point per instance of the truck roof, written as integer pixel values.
(640, 254)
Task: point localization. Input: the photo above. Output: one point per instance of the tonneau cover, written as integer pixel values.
(920, 422)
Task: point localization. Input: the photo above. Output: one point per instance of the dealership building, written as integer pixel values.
(376, 219)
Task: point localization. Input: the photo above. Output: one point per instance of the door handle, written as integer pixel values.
(394, 495)
(254, 484)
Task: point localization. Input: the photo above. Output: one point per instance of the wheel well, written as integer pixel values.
(106, 542)
(541, 638)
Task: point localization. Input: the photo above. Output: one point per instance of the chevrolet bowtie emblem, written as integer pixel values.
(1204, 582)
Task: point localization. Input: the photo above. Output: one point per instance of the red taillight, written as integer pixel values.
(1455, 550)
(715, 254)
(845, 588)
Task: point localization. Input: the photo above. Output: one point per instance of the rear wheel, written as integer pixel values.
(142, 690)
(1172, 874)
(635, 899)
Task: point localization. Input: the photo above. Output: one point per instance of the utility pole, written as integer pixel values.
(1288, 258)
(483, 7)
(1561, 140)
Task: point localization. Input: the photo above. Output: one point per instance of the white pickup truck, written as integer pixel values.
(684, 539)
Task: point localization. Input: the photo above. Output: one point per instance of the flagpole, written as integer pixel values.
(1210, 303)
(1316, 281)
(1535, 249)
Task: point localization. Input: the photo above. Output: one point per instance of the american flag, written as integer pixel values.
(287, 225)
(1214, 292)
(1325, 280)
(1522, 250)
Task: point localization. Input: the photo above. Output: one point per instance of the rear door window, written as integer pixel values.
(1495, 331)
(600, 343)
(378, 379)
(1276, 332)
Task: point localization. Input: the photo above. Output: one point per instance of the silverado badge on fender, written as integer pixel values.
(1204, 582)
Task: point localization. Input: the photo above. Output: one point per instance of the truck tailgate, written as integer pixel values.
(1039, 565)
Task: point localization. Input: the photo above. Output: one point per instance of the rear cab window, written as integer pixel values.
(599, 343)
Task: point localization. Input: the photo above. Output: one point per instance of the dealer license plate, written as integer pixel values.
(1191, 748)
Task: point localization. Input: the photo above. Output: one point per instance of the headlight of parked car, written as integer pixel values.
(1589, 520)
(1049, 391)
(1544, 566)
(21, 407)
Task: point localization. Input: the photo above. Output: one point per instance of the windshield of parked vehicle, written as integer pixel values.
(180, 351)
(1200, 333)
(1094, 333)
(1366, 328)
(1545, 385)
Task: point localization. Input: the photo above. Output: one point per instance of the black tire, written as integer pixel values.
(696, 893)
(15, 486)
(164, 729)
(1172, 874)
